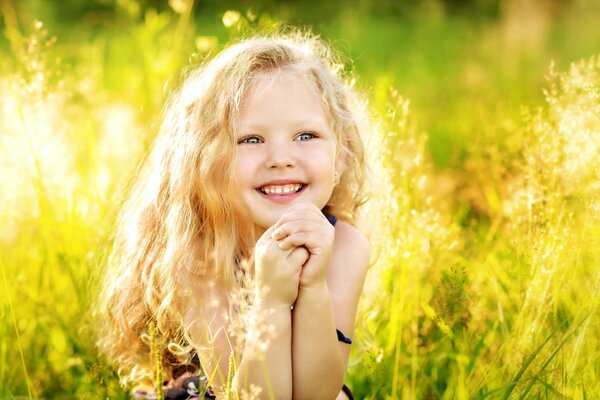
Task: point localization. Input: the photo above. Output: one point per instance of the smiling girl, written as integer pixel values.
(256, 176)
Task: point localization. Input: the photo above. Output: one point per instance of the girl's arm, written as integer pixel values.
(268, 368)
(266, 365)
(318, 359)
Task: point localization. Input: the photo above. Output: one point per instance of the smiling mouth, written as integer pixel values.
(281, 190)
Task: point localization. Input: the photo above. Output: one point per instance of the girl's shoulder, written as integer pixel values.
(346, 275)
(349, 235)
(351, 247)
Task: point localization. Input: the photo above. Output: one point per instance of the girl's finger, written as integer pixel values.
(291, 227)
(304, 211)
(310, 241)
(267, 234)
(299, 255)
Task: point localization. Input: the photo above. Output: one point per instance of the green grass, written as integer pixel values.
(486, 280)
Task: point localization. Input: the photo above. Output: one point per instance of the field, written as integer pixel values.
(485, 210)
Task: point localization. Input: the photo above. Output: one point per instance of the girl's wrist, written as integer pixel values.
(265, 303)
(317, 288)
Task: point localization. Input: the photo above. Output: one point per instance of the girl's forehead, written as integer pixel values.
(282, 94)
(288, 94)
(264, 81)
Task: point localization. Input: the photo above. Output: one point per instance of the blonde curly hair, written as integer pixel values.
(181, 216)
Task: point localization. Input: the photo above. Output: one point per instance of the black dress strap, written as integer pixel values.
(331, 218)
(348, 392)
(343, 338)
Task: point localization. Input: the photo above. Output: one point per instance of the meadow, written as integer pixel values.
(485, 210)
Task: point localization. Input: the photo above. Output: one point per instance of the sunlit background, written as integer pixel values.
(486, 195)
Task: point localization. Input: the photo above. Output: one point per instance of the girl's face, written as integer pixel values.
(286, 150)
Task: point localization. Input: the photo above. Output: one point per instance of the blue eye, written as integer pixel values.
(249, 140)
(306, 136)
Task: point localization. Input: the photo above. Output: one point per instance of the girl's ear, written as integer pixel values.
(340, 168)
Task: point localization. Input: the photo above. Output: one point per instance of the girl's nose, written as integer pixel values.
(280, 155)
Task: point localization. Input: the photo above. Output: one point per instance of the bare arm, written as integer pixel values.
(318, 364)
(266, 365)
(328, 293)
(269, 367)
(319, 360)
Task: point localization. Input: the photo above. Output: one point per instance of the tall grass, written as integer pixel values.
(52, 217)
(506, 308)
(485, 280)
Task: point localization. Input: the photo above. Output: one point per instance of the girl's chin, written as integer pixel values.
(266, 222)
(264, 225)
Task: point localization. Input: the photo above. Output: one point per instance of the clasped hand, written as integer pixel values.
(294, 253)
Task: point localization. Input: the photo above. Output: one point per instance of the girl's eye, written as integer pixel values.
(249, 140)
(306, 136)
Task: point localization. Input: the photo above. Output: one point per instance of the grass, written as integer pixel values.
(487, 206)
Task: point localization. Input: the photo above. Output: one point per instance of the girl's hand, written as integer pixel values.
(277, 270)
(304, 225)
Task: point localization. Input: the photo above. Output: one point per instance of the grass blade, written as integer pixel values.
(14, 320)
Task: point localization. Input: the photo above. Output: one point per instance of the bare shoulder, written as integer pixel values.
(349, 263)
(346, 277)
(351, 245)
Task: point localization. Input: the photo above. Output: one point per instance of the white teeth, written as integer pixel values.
(284, 189)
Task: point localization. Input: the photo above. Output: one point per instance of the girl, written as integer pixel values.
(245, 210)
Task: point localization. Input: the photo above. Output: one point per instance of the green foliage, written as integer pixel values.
(485, 212)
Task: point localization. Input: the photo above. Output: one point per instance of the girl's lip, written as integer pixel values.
(281, 182)
(283, 197)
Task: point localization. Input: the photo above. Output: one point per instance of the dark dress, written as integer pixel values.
(196, 386)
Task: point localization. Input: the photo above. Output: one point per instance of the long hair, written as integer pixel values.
(181, 216)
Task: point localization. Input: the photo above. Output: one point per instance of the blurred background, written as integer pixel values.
(486, 278)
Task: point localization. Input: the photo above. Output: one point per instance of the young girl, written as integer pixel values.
(245, 211)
